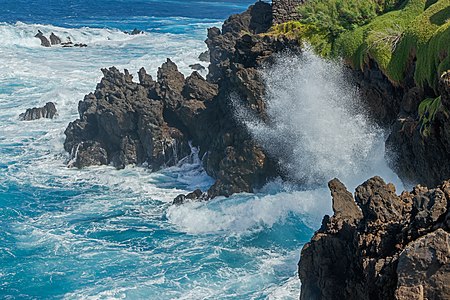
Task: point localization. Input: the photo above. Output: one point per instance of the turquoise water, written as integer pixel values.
(100, 233)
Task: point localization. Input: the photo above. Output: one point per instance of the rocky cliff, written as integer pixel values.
(151, 122)
(379, 245)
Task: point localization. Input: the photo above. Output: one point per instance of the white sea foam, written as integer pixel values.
(243, 213)
(201, 237)
(318, 129)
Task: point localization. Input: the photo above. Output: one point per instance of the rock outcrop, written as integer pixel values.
(380, 245)
(54, 39)
(48, 111)
(125, 121)
(44, 41)
(152, 121)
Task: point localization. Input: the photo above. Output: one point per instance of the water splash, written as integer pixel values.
(317, 127)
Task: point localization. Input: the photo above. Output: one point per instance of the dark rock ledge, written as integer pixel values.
(379, 245)
(152, 122)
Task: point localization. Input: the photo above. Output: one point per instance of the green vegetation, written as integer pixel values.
(392, 33)
(427, 111)
(330, 19)
(396, 38)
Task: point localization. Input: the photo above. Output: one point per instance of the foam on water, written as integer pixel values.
(100, 233)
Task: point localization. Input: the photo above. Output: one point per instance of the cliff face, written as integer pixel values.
(420, 140)
(417, 120)
(378, 245)
(151, 122)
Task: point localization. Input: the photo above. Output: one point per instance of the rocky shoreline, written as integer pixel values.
(377, 245)
(152, 122)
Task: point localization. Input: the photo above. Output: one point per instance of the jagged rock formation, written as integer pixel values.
(54, 39)
(44, 41)
(47, 111)
(125, 121)
(378, 245)
(151, 122)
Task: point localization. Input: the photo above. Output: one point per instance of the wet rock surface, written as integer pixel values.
(54, 39)
(44, 41)
(152, 121)
(380, 245)
(48, 111)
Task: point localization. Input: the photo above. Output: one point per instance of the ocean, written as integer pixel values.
(101, 233)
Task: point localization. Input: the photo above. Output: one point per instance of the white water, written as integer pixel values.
(118, 236)
(318, 128)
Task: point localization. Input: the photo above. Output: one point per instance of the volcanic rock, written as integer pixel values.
(44, 41)
(152, 121)
(47, 111)
(54, 40)
(398, 248)
(204, 56)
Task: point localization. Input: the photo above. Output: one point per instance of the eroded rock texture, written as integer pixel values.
(124, 122)
(48, 111)
(380, 245)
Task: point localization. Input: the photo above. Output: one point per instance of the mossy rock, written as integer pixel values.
(427, 111)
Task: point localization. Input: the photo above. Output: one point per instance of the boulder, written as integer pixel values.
(424, 268)
(195, 195)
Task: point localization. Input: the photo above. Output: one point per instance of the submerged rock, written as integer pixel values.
(195, 195)
(380, 245)
(135, 32)
(47, 111)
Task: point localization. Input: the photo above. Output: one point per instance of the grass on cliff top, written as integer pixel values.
(393, 33)
(325, 20)
(419, 31)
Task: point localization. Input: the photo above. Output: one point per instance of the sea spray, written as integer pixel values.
(101, 233)
(317, 128)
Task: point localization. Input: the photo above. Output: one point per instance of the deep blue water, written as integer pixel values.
(100, 233)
